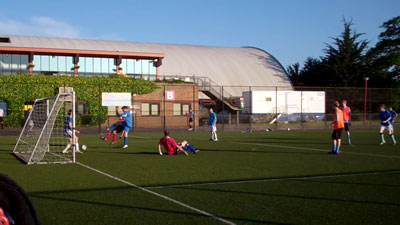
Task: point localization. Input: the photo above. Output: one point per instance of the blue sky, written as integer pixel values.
(291, 30)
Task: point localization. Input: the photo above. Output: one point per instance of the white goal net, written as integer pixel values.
(45, 136)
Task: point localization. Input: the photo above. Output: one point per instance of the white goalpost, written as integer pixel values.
(43, 137)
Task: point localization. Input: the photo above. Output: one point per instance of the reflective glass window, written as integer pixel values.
(82, 65)
(24, 63)
(69, 64)
(53, 63)
(111, 65)
(104, 65)
(7, 63)
(145, 66)
(37, 61)
(45, 63)
(123, 65)
(138, 66)
(62, 64)
(96, 65)
(130, 69)
(15, 63)
(152, 68)
(89, 65)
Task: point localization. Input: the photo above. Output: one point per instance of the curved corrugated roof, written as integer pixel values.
(228, 66)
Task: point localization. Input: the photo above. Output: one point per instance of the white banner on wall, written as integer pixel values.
(116, 99)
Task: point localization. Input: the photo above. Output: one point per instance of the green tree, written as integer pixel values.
(385, 56)
(345, 61)
(294, 74)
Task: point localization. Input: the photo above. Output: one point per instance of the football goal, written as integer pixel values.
(44, 135)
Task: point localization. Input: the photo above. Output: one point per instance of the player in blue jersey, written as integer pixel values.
(386, 124)
(212, 122)
(68, 128)
(126, 116)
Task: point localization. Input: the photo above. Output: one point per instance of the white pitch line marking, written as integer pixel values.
(317, 149)
(274, 179)
(157, 194)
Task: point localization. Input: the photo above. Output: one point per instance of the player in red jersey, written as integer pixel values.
(170, 145)
(347, 118)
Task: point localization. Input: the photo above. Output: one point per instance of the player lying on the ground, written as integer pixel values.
(170, 145)
(337, 125)
(68, 134)
(386, 124)
(188, 147)
(114, 130)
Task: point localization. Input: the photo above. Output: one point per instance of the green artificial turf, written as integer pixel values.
(263, 163)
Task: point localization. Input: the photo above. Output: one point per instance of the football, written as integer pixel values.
(84, 147)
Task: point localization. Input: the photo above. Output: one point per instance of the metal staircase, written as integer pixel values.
(210, 88)
(216, 92)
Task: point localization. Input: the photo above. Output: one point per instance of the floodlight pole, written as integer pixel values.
(365, 100)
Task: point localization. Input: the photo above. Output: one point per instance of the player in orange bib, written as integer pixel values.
(347, 119)
(337, 125)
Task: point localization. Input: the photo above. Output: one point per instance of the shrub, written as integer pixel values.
(17, 89)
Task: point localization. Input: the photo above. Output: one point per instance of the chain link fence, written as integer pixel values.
(238, 108)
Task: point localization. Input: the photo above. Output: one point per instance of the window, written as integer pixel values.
(37, 61)
(145, 66)
(180, 109)
(15, 63)
(3, 107)
(62, 64)
(154, 109)
(138, 66)
(53, 63)
(130, 66)
(5, 40)
(81, 108)
(150, 109)
(6, 64)
(97, 65)
(24, 63)
(45, 60)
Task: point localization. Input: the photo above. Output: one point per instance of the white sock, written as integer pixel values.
(215, 135)
(66, 148)
(212, 136)
(77, 147)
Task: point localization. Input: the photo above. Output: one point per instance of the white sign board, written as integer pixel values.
(116, 99)
(286, 102)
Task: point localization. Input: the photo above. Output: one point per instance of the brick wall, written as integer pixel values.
(184, 94)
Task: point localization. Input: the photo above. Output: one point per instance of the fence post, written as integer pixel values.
(99, 108)
(222, 102)
(194, 108)
(301, 108)
(276, 107)
(250, 107)
(164, 119)
(133, 108)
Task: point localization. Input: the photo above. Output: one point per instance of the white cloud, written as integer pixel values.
(39, 26)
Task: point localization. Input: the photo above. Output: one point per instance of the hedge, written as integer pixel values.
(18, 89)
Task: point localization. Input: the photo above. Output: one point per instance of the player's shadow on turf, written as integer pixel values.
(126, 152)
(351, 183)
(263, 151)
(289, 142)
(91, 203)
(294, 196)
